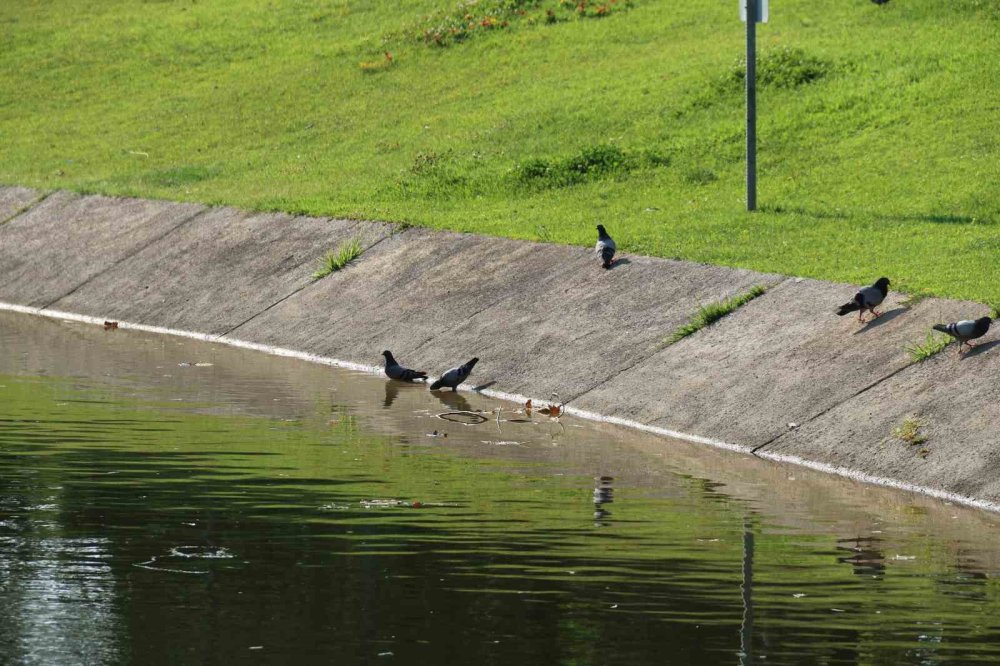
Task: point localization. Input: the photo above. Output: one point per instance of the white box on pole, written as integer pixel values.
(761, 10)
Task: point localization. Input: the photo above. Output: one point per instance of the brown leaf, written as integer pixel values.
(108, 325)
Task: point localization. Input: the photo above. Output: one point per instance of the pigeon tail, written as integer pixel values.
(853, 306)
(944, 328)
(413, 375)
(607, 254)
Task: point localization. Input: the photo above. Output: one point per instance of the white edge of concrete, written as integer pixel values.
(852, 474)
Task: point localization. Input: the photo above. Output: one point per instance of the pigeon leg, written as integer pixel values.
(876, 313)
(860, 318)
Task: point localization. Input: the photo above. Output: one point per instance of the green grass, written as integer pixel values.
(932, 345)
(337, 259)
(711, 313)
(878, 150)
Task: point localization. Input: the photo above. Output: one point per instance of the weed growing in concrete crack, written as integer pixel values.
(337, 259)
(711, 313)
(932, 345)
(909, 432)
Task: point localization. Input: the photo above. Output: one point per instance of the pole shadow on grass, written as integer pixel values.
(843, 214)
(885, 318)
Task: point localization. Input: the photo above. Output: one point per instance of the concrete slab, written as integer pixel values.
(217, 271)
(782, 358)
(404, 292)
(542, 318)
(14, 200)
(958, 398)
(66, 240)
(570, 331)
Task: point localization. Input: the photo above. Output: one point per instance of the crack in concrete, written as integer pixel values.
(24, 209)
(300, 288)
(867, 388)
(653, 351)
(126, 257)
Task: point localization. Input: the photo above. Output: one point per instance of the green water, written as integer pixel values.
(164, 501)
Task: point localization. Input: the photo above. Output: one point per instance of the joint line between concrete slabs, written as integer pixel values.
(24, 209)
(838, 404)
(656, 351)
(297, 289)
(152, 241)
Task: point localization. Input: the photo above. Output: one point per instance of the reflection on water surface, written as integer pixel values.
(164, 501)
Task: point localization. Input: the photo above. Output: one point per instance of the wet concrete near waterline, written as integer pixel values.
(165, 501)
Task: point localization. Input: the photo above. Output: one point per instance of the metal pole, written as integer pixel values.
(751, 80)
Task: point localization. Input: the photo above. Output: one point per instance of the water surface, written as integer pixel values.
(164, 501)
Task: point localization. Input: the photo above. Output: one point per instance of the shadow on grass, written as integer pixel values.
(936, 218)
(884, 319)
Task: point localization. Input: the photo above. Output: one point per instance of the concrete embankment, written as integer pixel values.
(543, 319)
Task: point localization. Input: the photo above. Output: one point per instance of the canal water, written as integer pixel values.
(167, 501)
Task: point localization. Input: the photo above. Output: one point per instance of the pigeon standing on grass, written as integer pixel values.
(867, 298)
(455, 376)
(605, 247)
(965, 330)
(394, 370)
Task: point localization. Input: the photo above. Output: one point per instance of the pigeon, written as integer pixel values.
(394, 370)
(455, 376)
(965, 330)
(867, 298)
(605, 247)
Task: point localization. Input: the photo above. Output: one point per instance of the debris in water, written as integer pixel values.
(110, 325)
(799, 595)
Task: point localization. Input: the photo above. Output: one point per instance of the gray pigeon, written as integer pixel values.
(394, 370)
(867, 298)
(452, 378)
(605, 247)
(965, 330)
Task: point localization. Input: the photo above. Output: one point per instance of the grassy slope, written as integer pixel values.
(887, 165)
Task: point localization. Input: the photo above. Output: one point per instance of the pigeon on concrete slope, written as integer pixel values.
(867, 298)
(455, 376)
(965, 330)
(394, 370)
(605, 247)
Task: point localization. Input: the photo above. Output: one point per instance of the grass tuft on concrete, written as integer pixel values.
(910, 432)
(337, 259)
(933, 344)
(711, 313)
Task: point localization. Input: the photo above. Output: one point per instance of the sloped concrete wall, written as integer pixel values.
(782, 375)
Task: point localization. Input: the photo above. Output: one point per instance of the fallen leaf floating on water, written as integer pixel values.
(110, 325)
